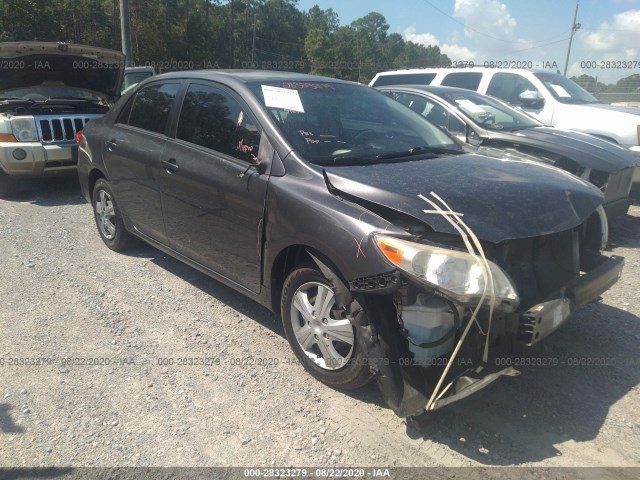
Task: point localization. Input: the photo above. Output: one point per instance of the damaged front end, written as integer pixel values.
(494, 259)
(436, 328)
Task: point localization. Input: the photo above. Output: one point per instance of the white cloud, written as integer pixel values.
(615, 39)
(453, 51)
(493, 28)
(425, 39)
(617, 36)
(456, 52)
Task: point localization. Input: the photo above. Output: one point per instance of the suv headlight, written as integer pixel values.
(24, 129)
(457, 274)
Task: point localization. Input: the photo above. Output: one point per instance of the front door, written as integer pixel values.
(213, 206)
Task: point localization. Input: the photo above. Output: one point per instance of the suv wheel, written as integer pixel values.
(8, 186)
(325, 342)
(108, 218)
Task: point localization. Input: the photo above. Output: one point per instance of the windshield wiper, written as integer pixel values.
(345, 160)
(419, 150)
(515, 129)
(72, 98)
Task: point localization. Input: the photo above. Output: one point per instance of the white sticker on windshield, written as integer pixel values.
(283, 98)
(559, 89)
(470, 106)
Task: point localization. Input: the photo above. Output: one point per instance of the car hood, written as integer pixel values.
(584, 149)
(616, 108)
(92, 68)
(500, 199)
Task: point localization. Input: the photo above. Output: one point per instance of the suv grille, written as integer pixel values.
(56, 129)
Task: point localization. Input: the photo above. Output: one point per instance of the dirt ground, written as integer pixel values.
(138, 360)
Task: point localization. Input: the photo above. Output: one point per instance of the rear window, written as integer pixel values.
(404, 79)
(468, 80)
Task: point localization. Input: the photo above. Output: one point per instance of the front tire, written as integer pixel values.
(8, 185)
(109, 218)
(326, 343)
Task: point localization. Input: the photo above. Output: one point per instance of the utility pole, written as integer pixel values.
(574, 27)
(253, 45)
(125, 32)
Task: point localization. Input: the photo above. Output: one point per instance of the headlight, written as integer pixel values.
(24, 129)
(455, 273)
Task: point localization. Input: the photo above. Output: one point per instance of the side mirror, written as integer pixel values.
(262, 162)
(531, 99)
(472, 137)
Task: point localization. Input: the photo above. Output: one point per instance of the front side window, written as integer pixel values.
(508, 87)
(151, 107)
(488, 112)
(213, 119)
(338, 123)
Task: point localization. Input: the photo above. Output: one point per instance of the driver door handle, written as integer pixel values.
(171, 166)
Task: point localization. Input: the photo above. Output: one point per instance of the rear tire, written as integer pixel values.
(109, 218)
(326, 344)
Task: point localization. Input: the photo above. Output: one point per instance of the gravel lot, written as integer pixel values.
(126, 396)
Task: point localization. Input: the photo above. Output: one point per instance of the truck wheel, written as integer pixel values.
(109, 219)
(8, 185)
(325, 343)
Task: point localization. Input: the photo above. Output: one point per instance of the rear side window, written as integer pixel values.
(508, 87)
(468, 80)
(151, 107)
(212, 118)
(404, 79)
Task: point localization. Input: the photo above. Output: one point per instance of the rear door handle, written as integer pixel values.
(111, 145)
(170, 165)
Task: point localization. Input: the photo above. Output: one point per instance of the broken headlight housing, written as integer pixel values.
(457, 274)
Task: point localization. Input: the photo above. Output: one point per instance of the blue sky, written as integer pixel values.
(513, 30)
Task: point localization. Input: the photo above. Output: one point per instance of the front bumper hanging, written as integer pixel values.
(542, 319)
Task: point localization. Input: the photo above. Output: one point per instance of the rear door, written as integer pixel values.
(213, 204)
(132, 153)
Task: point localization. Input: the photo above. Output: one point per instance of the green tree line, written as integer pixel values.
(630, 84)
(177, 34)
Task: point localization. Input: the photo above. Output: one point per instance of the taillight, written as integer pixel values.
(79, 137)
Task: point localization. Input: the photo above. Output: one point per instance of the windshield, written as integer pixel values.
(338, 123)
(564, 90)
(489, 113)
(46, 92)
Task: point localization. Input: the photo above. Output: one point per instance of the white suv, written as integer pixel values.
(48, 92)
(550, 97)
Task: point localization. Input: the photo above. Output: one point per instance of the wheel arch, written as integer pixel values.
(94, 175)
(296, 255)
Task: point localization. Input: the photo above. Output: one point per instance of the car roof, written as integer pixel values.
(247, 76)
(435, 89)
(139, 69)
(465, 69)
